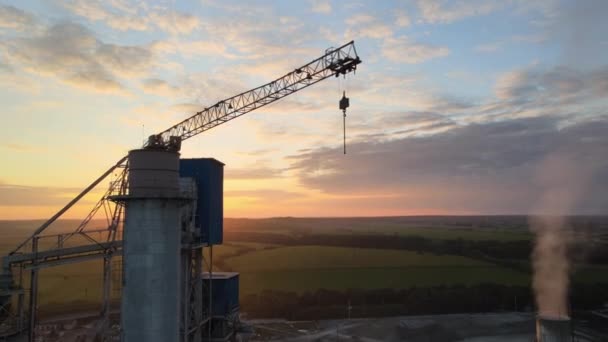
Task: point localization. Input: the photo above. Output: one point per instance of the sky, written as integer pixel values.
(459, 107)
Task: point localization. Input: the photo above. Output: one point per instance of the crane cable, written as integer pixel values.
(343, 104)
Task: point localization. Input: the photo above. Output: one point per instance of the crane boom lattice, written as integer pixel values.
(335, 62)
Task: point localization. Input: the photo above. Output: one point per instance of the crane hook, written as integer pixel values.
(344, 103)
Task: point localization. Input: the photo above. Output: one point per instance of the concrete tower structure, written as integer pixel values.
(151, 252)
(553, 329)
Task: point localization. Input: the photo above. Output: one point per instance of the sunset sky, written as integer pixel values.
(459, 107)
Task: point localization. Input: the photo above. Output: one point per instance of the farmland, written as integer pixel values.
(320, 257)
(306, 268)
(474, 229)
(310, 280)
(284, 260)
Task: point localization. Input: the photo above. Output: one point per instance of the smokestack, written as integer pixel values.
(553, 329)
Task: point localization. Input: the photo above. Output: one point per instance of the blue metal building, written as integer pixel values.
(225, 292)
(209, 176)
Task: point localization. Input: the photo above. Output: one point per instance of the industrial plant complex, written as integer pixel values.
(164, 216)
(162, 213)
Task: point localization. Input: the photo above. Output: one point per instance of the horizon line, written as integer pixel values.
(353, 217)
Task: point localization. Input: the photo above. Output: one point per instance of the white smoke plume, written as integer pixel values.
(561, 179)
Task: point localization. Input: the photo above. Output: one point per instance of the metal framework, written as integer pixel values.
(335, 62)
(29, 255)
(32, 255)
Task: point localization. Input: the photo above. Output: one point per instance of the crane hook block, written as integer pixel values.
(344, 102)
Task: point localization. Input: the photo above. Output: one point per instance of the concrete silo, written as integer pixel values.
(151, 251)
(553, 329)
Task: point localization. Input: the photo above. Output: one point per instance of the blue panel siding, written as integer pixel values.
(225, 292)
(209, 176)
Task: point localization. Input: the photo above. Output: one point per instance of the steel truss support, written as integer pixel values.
(69, 205)
(106, 295)
(33, 292)
(192, 310)
(197, 288)
(59, 254)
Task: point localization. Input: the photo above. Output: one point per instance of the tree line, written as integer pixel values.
(332, 304)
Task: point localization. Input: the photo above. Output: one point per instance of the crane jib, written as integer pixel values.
(335, 62)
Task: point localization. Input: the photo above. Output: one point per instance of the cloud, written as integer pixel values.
(471, 157)
(265, 37)
(257, 153)
(321, 6)
(403, 50)
(21, 148)
(175, 22)
(265, 195)
(253, 173)
(16, 19)
(192, 49)
(123, 23)
(559, 85)
(21, 195)
(72, 53)
(402, 19)
(558, 91)
(188, 108)
(415, 122)
(125, 60)
(96, 11)
(440, 12)
(5, 67)
(207, 89)
(159, 87)
(399, 125)
(360, 19)
(484, 168)
(137, 17)
(259, 34)
(367, 26)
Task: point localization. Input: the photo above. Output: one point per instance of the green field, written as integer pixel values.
(65, 285)
(322, 257)
(308, 268)
(425, 232)
(227, 250)
(309, 280)
(432, 229)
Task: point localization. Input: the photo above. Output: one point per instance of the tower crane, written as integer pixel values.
(30, 256)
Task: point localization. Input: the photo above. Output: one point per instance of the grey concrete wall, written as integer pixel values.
(150, 302)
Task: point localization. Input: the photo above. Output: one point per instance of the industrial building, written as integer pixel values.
(161, 212)
(173, 209)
